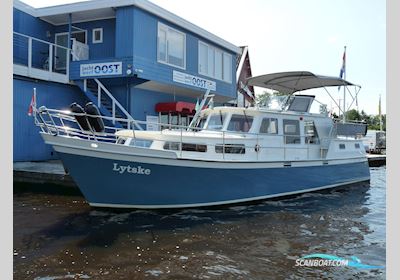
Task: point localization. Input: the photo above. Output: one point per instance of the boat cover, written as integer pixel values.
(291, 82)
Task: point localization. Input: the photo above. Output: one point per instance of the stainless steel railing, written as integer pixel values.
(38, 54)
(64, 123)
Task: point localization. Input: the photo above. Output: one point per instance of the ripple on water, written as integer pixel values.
(255, 241)
(68, 276)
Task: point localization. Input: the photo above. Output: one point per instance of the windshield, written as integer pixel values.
(216, 121)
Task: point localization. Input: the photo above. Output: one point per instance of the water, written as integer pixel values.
(58, 236)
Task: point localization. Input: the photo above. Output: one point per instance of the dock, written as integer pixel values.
(376, 160)
(42, 172)
(53, 172)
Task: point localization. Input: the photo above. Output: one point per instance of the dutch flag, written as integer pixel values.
(343, 69)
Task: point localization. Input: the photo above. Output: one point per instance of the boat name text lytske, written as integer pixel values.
(129, 169)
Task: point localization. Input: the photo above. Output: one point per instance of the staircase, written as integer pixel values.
(104, 100)
(97, 93)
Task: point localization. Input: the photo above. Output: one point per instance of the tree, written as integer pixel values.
(353, 115)
(373, 121)
(265, 98)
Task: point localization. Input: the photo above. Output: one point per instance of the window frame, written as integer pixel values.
(224, 117)
(224, 56)
(94, 41)
(242, 117)
(232, 149)
(165, 28)
(296, 136)
(269, 120)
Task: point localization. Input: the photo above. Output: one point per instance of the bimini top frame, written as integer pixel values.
(291, 82)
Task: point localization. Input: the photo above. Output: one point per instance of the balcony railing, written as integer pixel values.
(40, 59)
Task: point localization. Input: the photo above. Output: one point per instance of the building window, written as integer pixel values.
(97, 35)
(171, 47)
(215, 63)
(227, 74)
(291, 130)
(269, 126)
(357, 146)
(172, 119)
(342, 146)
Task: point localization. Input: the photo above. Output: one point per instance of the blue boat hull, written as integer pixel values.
(116, 183)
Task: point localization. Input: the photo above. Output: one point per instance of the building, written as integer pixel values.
(131, 58)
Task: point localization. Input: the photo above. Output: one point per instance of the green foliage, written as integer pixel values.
(353, 115)
(373, 121)
(265, 98)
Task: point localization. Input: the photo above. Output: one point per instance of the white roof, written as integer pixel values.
(291, 82)
(102, 9)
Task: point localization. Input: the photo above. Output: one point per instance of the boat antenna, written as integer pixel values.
(380, 114)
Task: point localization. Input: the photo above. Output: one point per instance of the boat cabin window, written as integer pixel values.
(357, 146)
(216, 121)
(291, 131)
(174, 146)
(300, 103)
(189, 147)
(269, 125)
(240, 123)
(121, 140)
(230, 149)
(140, 143)
(310, 133)
(342, 146)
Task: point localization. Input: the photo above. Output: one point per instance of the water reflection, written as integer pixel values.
(64, 236)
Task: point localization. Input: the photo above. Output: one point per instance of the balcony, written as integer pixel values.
(39, 59)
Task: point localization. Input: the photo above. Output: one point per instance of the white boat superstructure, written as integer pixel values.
(251, 134)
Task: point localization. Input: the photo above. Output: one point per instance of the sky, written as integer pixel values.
(297, 35)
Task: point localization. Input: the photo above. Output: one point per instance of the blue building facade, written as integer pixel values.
(132, 54)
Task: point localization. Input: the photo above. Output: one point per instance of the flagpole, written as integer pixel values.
(380, 114)
(344, 87)
(34, 103)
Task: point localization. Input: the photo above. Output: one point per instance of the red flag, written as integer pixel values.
(33, 103)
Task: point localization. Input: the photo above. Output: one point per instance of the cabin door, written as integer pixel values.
(62, 40)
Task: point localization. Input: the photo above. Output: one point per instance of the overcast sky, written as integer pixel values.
(290, 35)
